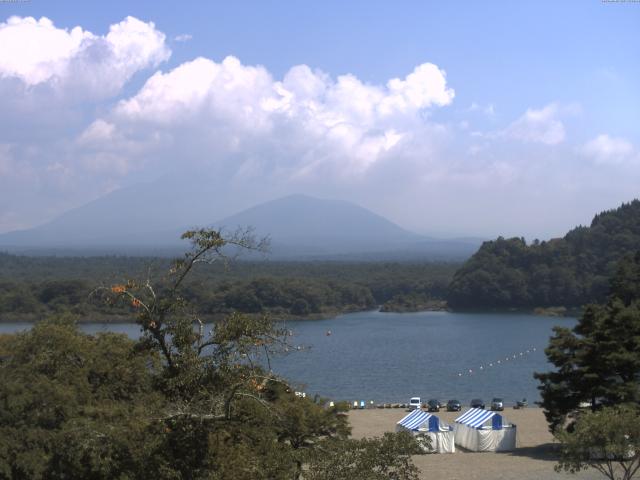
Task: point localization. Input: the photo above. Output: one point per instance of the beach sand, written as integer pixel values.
(533, 458)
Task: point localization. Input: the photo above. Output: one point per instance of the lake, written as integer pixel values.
(389, 357)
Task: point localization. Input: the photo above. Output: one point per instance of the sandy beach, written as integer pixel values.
(533, 458)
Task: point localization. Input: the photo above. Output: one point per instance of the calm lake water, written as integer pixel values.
(389, 357)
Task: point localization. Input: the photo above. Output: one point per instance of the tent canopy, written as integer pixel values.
(478, 417)
(418, 419)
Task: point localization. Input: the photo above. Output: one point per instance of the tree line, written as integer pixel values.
(32, 287)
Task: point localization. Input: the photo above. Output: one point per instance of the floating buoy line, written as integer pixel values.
(497, 363)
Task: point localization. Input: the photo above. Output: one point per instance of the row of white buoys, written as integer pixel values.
(498, 362)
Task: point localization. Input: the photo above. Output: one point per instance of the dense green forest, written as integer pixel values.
(570, 271)
(32, 287)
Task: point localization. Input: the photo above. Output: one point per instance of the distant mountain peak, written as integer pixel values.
(299, 225)
(311, 220)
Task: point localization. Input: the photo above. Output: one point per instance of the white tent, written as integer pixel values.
(480, 430)
(420, 422)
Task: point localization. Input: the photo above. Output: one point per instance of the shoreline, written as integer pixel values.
(213, 318)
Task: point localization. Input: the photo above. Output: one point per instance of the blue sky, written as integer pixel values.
(546, 98)
(511, 54)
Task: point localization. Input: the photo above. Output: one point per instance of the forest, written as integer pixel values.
(570, 271)
(33, 287)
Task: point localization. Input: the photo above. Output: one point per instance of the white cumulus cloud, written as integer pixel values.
(304, 122)
(37, 52)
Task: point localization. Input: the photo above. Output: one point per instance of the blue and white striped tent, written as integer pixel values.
(420, 422)
(477, 417)
(419, 419)
(480, 430)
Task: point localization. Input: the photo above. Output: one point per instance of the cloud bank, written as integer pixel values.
(305, 122)
(73, 131)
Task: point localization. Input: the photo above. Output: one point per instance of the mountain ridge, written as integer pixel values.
(299, 225)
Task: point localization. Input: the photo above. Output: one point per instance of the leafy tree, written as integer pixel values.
(599, 359)
(385, 458)
(73, 405)
(607, 441)
(214, 380)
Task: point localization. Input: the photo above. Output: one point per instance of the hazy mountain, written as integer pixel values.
(320, 224)
(128, 217)
(146, 220)
(303, 226)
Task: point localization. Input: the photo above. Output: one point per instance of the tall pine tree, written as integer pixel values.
(598, 361)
